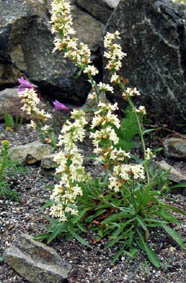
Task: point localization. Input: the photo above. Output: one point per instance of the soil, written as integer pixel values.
(88, 265)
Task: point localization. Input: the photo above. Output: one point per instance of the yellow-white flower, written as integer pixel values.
(104, 134)
(91, 70)
(115, 78)
(130, 92)
(119, 154)
(141, 110)
(57, 210)
(105, 87)
(114, 184)
(149, 154)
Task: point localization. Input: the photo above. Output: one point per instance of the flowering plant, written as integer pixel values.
(123, 203)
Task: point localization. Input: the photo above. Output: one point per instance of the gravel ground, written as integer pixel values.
(89, 265)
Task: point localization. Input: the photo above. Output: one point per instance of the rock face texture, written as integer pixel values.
(100, 9)
(26, 45)
(153, 34)
(36, 262)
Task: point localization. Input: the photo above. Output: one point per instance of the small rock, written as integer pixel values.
(11, 103)
(29, 153)
(47, 162)
(174, 175)
(36, 262)
(175, 148)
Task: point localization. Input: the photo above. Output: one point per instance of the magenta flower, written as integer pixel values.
(60, 106)
(24, 84)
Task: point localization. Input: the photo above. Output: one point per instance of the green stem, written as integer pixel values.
(132, 194)
(3, 165)
(94, 86)
(141, 137)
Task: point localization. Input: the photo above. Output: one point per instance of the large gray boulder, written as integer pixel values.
(153, 34)
(100, 9)
(36, 262)
(26, 44)
(14, 20)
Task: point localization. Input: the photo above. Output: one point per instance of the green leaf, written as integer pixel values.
(91, 217)
(141, 222)
(148, 131)
(117, 255)
(178, 186)
(131, 253)
(150, 253)
(80, 239)
(47, 204)
(41, 237)
(171, 207)
(116, 232)
(79, 216)
(100, 233)
(113, 242)
(152, 220)
(105, 178)
(114, 217)
(91, 157)
(9, 121)
(167, 216)
(82, 228)
(174, 235)
(128, 130)
(146, 195)
(58, 229)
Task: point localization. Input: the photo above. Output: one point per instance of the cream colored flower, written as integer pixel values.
(130, 92)
(105, 87)
(141, 110)
(149, 154)
(91, 70)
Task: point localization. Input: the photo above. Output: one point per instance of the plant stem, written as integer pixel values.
(141, 137)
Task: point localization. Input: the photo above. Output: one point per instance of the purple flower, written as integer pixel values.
(60, 106)
(24, 84)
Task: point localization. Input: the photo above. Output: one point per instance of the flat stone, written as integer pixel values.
(36, 262)
(29, 153)
(47, 162)
(173, 175)
(175, 148)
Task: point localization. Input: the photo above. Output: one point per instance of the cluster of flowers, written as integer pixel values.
(103, 124)
(29, 97)
(70, 167)
(105, 140)
(31, 105)
(61, 21)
